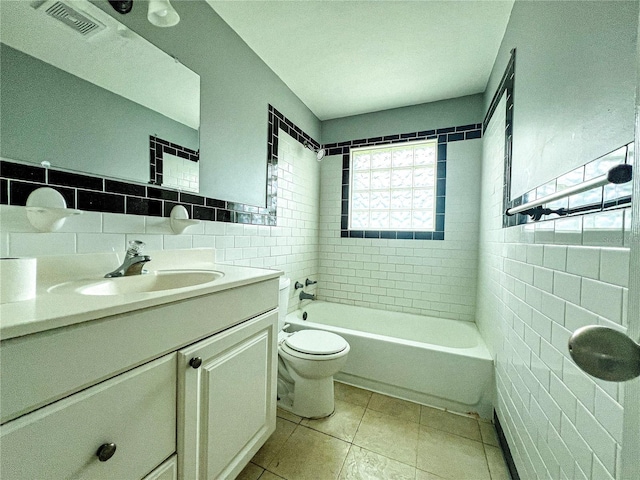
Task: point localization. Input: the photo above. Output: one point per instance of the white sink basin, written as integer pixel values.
(150, 282)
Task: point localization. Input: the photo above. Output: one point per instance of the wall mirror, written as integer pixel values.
(85, 93)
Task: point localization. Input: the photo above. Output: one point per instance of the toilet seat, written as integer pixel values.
(315, 342)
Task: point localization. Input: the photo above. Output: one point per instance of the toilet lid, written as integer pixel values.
(316, 342)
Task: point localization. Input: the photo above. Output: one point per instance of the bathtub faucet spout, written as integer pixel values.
(306, 296)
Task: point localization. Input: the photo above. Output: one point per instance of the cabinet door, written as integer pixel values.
(226, 399)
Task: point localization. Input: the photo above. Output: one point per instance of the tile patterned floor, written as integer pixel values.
(375, 437)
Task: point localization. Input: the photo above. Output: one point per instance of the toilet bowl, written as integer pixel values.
(307, 361)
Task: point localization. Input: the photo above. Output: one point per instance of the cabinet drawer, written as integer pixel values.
(135, 411)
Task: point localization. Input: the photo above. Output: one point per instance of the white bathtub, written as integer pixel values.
(432, 361)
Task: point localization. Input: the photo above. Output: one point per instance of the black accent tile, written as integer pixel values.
(344, 222)
(441, 186)
(20, 192)
(22, 172)
(345, 191)
(75, 180)
(223, 215)
(371, 234)
(100, 202)
(388, 234)
(423, 235)
(335, 151)
(464, 128)
(405, 236)
(441, 170)
(168, 206)
(440, 202)
(446, 130)
(455, 137)
(439, 223)
(343, 144)
(356, 234)
(191, 198)
(162, 194)
(473, 134)
(344, 234)
(345, 177)
(427, 133)
(442, 139)
(442, 152)
(409, 135)
(170, 151)
(144, 206)
(345, 207)
(360, 141)
(391, 137)
(4, 191)
(212, 202)
(374, 140)
(184, 155)
(438, 235)
(345, 164)
(114, 186)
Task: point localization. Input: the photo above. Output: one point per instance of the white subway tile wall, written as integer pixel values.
(292, 246)
(425, 277)
(533, 292)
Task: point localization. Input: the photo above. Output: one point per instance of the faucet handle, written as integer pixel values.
(135, 247)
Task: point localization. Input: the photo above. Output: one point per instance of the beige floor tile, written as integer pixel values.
(343, 424)
(450, 422)
(497, 465)
(250, 472)
(489, 435)
(395, 407)
(348, 393)
(268, 451)
(270, 476)
(362, 464)
(309, 455)
(292, 417)
(451, 456)
(420, 475)
(389, 436)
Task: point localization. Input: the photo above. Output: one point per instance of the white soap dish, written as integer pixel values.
(179, 219)
(47, 210)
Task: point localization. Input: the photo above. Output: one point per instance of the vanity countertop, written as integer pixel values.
(49, 310)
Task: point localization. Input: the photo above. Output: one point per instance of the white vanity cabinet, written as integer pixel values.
(226, 399)
(125, 379)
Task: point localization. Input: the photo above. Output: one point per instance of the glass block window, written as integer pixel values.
(393, 187)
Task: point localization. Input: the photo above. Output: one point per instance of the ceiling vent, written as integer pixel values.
(78, 21)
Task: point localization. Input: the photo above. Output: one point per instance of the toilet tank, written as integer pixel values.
(283, 301)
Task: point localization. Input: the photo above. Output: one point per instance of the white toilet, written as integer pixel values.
(307, 362)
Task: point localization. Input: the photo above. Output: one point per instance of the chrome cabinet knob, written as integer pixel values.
(106, 451)
(195, 362)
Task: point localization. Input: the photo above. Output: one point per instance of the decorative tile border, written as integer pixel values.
(99, 194)
(609, 197)
(157, 148)
(443, 136)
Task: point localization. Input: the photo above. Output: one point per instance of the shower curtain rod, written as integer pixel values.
(619, 174)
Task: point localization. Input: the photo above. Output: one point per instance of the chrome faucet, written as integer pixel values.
(306, 296)
(133, 261)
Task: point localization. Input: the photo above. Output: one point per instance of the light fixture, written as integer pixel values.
(162, 14)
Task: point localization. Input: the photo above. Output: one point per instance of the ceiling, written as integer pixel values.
(345, 58)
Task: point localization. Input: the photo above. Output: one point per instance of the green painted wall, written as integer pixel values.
(426, 116)
(49, 114)
(236, 87)
(574, 85)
